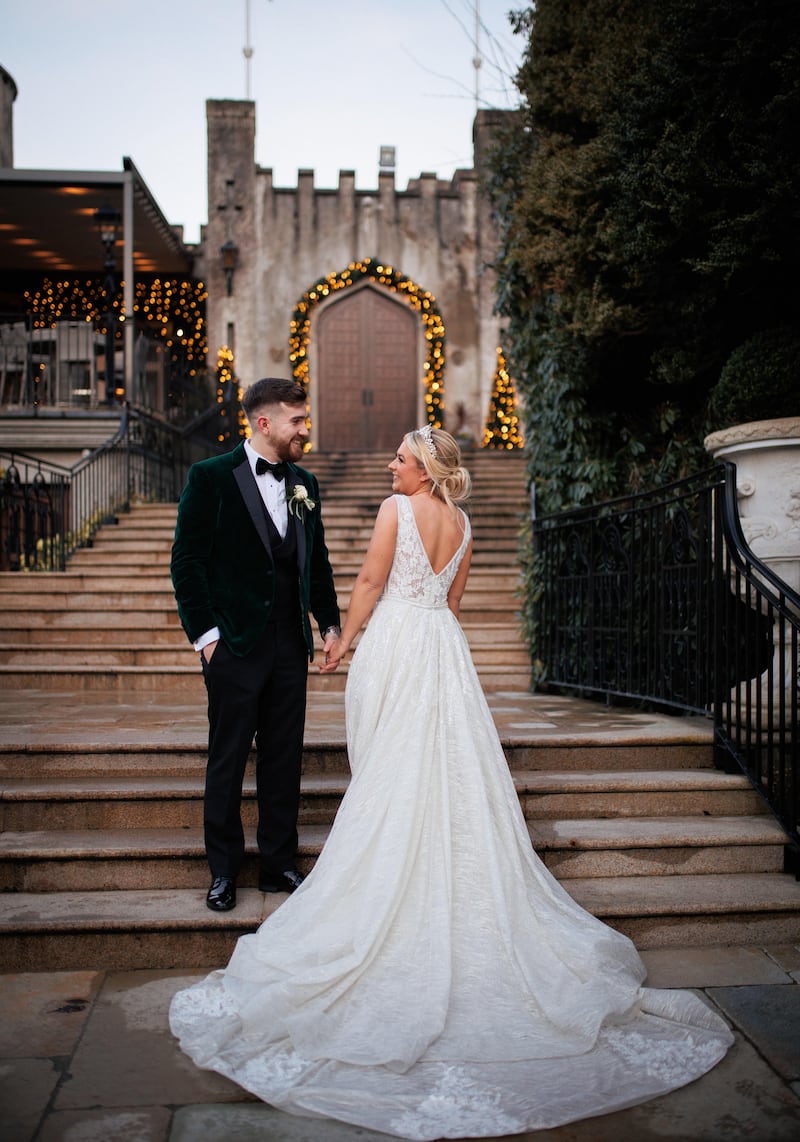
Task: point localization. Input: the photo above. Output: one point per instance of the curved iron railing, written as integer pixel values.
(47, 511)
(656, 598)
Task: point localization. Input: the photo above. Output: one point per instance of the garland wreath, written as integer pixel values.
(419, 299)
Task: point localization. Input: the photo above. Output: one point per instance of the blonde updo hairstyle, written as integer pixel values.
(449, 480)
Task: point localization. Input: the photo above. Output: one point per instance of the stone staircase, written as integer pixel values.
(102, 735)
(110, 621)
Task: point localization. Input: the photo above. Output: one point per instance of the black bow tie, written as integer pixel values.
(278, 470)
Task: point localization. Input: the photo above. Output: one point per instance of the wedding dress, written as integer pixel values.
(430, 979)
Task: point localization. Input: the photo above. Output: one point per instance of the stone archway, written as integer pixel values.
(368, 354)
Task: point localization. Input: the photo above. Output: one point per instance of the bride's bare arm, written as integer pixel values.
(369, 582)
(460, 582)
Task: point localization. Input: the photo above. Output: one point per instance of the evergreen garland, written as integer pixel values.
(389, 277)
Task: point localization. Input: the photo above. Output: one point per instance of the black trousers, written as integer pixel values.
(263, 696)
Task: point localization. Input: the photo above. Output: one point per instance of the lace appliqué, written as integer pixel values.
(276, 1073)
(204, 1000)
(665, 1060)
(411, 576)
(455, 1108)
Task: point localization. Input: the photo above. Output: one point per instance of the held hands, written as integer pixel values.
(335, 650)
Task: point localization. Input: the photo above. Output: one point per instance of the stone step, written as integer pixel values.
(122, 632)
(80, 619)
(127, 588)
(69, 764)
(119, 858)
(538, 753)
(484, 468)
(170, 927)
(509, 651)
(490, 590)
(46, 611)
(492, 536)
(344, 504)
(661, 846)
(184, 679)
(91, 562)
(592, 806)
(115, 732)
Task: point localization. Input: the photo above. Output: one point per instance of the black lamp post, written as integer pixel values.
(107, 221)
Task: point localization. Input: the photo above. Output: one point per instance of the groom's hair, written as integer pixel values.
(271, 391)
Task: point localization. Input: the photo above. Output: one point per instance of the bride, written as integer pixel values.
(430, 979)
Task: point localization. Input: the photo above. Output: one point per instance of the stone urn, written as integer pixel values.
(767, 458)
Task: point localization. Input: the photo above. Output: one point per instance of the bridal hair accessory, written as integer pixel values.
(427, 435)
(299, 501)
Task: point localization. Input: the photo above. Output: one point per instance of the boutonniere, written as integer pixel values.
(299, 501)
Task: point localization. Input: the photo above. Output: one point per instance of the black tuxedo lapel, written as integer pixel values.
(252, 497)
(291, 479)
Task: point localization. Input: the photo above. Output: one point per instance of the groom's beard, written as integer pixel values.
(291, 451)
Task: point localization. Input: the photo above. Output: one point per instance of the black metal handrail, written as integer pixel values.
(48, 511)
(656, 598)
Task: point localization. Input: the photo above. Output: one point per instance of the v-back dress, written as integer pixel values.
(430, 978)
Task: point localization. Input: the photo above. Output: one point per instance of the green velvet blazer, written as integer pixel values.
(222, 569)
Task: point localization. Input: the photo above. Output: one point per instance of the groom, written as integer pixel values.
(249, 562)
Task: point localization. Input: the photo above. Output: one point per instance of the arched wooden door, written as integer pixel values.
(367, 366)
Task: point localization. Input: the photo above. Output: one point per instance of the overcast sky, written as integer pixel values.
(332, 80)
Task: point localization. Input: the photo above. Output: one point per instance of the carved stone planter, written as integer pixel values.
(767, 458)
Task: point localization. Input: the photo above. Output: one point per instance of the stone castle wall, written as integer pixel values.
(437, 233)
(8, 93)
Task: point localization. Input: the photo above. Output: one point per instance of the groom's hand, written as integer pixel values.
(208, 650)
(333, 655)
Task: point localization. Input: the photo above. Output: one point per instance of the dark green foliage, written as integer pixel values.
(648, 206)
(647, 196)
(761, 380)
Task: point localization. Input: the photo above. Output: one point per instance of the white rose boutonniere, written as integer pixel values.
(300, 501)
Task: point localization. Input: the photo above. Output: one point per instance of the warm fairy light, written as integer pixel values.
(421, 300)
(227, 383)
(502, 424)
(174, 308)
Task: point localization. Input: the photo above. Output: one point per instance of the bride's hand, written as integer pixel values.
(333, 656)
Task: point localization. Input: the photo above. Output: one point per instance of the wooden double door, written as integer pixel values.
(367, 373)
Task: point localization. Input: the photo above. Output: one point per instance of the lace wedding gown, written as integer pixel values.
(430, 978)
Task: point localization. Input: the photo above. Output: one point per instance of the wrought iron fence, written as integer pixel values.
(656, 598)
(47, 511)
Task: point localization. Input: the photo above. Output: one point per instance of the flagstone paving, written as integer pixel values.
(88, 1057)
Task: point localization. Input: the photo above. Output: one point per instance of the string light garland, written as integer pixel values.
(502, 424)
(229, 391)
(419, 299)
(174, 308)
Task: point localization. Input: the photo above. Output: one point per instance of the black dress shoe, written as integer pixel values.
(222, 894)
(283, 882)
